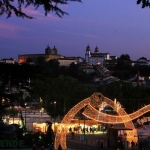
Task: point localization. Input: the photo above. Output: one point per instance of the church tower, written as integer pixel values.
(88, 53)
(48, 50)
(96, 50)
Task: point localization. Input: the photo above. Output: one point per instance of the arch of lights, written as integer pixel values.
(91, 104)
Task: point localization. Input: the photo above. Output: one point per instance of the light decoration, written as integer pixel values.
(60, 137)
(3, 100)
(92, 113)
(91, 104)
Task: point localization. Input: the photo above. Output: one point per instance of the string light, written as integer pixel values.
(95, 101)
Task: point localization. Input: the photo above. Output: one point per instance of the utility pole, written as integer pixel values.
(54, 114)
(121, 93)
(84, 125)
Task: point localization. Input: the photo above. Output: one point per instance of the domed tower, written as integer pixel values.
(88, 53)
(96, 50)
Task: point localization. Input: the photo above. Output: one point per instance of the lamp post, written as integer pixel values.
(41, 106)
(84, 125)
(54, 113)
(121, 93)
(84, 128)
(25, 115)
(41, 101)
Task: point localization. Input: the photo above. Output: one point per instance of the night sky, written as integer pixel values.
(114, 26)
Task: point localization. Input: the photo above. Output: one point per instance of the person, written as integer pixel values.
(102, 144)
(132, 145)
(90, 129)
(70, 129)
(141, 145)
(72, 133)
(49, 133)
(120, 145)
(98, 142)
(136, 145)
(126, 145)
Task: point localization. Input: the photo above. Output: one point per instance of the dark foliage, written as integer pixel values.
(9, 7)
(145, 3)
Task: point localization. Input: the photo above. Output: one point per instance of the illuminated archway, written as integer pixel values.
(90, 104)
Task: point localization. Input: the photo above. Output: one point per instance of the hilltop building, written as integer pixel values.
(97, 57)
(49, 54)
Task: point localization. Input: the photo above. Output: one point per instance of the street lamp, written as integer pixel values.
(84, 125)
(25, 115)
(54, 113)
(121, 93)
(41, 101)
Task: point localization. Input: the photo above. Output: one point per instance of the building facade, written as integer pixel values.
(49, 54)
(96, 57)
(66, 61)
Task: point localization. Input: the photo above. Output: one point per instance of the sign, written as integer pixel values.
(11, 143)
(143, 120)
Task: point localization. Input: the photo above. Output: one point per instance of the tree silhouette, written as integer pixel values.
(9, 7)
(143, 58)
(145, 3)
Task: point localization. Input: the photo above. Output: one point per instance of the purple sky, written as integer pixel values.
(114, 26)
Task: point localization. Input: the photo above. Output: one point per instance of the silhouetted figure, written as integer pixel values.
(70, 129)
(98, 141)
(127, 145)
(49, 133)
(132, 145)
(141, 145)
(120, 145)
(102, 144)
(72, 133)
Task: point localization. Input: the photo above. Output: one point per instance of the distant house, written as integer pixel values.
(140, 62)
(8, 61)
(137, 80)
(143, 62)
(87, 67)
(66, 61)
(112, 62)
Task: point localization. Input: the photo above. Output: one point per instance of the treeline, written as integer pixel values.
(69, 85)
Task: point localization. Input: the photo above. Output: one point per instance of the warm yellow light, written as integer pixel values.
(90, 112)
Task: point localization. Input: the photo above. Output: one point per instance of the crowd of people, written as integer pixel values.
(130, 145)
(80, 129)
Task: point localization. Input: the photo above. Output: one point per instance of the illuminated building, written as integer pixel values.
(49, 54)
(96, 56)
